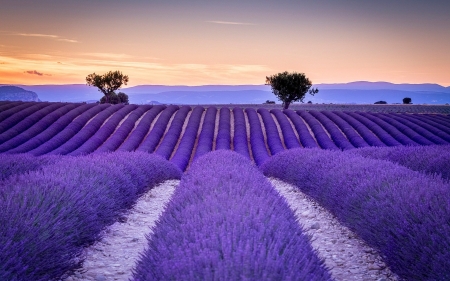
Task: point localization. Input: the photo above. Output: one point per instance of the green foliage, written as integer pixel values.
(116, 99)
(407, 100)
(107, 83)
(290, 87)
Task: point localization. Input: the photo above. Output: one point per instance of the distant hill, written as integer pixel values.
(360, 92)
(13, 93)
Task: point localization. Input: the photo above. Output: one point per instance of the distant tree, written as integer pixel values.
(107, 83)
(116, 99)
(269, 102)
(380, 102)
(290, 87)
(407, 100)
(309, 101)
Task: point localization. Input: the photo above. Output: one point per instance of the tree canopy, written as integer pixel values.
(290, 87)
(407, 100)
(107, 83)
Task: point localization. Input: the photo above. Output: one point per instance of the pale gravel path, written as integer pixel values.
(346, 256)
(114, 257)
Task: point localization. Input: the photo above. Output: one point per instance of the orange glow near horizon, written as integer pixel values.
(230, 44)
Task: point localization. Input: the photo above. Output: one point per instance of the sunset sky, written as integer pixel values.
(198, 42)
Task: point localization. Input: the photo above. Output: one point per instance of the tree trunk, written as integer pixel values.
(286, 104)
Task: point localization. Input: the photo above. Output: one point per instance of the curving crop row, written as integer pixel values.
(103, 132)
(223, 139)
(426, 125)
(14, 110)
(432, 159)
(336, 135)
(183, 153)
(367, 135)
(240, 140)
(303, 133)
(209, 231)
(321, 136)
(165, 149)
(290, 139)
(20, 116)
(124, 130)
(28, 121)
(206, 137)
(427, 132)
(54, 129)
(49, 216)
(86, 132)
(402, 213)
(56, 138)
(13, 165)
(5, 105)
(386, 138)
(136, 137)
(443, 119)
(432, 121)
(390, 129)
(352, 135)
(154, 136)
(407, 131)
(36, 127)
(273, 137)
(257, 142)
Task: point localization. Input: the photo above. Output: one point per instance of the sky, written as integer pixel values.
(204, 42)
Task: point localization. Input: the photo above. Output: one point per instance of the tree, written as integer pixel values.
(107, 83)
(407, 100)
(380, 102)
(116, 99)
(290, 87)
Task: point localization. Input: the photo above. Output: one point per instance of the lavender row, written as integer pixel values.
(136, 137)
(124, 130)
(49, 216)
(36, 127)
(290, 139)
(165, 149)
(240, 140)
(390, 129)
(206, 137)
(223, 139)
(303, 133)
(13, 165)
(428, 132)
(361, 129)
(87, 131)
(433, 159)
(154, 136)
(183, 153)
(57, 127)
(338, 138)
(386, 138)
(21, 115)
(406, 130)
(425, 125)
(257, 142)
(441, 119)
(321, 136)
(273, 138)
(209, 231)
(402, 213)
(355, 139)
(13, 110)
(432, 122)
(28, 121)
(8, 105)
(103, 132)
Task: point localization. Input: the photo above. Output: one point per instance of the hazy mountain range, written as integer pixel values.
(355, 92)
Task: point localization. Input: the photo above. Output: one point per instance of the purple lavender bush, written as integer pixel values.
(17, 164)
(48, 216)
(432, 159)
(226, 222)
(240, 140)
(402, 213)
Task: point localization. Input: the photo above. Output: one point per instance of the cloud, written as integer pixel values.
(230, 22)
(34, 72)
(49, 36)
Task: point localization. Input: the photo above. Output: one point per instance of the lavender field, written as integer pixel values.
(69, 171)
